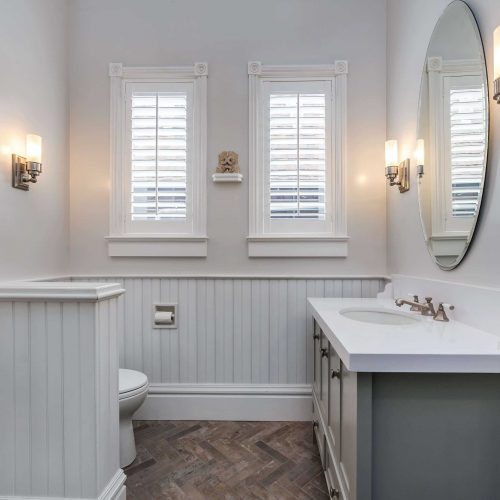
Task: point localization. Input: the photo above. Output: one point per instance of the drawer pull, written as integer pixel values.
(334, 493)
(316, 336)
(336, 374)
(324, 352)
(315, 424)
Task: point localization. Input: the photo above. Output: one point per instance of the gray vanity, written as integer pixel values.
(408, 410)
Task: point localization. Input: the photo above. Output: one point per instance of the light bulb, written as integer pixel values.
(34, 148)
(420, 152)
(391, 153)
(496, 44)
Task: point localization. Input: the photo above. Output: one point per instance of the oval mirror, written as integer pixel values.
(452, 135)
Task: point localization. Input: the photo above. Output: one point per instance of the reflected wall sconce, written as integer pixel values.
(397, 173)
(420, 157)
(496, 70)
(27, 169)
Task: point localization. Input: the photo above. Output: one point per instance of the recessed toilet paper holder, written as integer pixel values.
(165, 316)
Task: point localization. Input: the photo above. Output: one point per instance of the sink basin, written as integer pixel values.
(379, 316)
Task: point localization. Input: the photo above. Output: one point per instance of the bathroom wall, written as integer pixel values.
(227, 34)
(410, 25)
(34, 225)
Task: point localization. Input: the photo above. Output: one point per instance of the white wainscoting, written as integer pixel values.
(58, 385)
(242, 332)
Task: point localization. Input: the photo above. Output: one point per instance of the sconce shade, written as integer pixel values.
(420, 152)
(34, 148)
(496, 42)
(391, 153)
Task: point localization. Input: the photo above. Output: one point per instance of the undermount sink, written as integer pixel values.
(378, 316)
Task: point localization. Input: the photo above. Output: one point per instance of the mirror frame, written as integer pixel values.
(459, 259)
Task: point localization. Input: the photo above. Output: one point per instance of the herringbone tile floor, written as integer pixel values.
(225, 460)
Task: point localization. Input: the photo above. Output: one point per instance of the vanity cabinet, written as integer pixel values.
(341, 416)
(393, 435)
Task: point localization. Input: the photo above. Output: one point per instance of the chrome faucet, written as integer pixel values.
(426, 309)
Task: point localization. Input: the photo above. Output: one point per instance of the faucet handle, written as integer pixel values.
(441, 313)
(449, 306)
(415, 299)
(429, 311)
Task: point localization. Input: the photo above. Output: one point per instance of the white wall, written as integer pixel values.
(227, 34)
(410, 25)
(34, 225)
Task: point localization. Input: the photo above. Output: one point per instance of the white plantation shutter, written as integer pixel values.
(298, 126)
(297, 146)
(159, 156)
(159, 137)
(468, 147)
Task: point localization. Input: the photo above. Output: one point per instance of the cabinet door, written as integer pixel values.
(324, 353)
(335, 488)
(317, 359)
(318, 432)
(334, 401)
(348, 430)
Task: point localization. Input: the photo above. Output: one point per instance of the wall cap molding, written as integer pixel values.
(76, 276)
(60, 291)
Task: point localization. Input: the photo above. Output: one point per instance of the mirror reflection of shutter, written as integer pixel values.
(468, 137)
(297, 163)
(159, 156)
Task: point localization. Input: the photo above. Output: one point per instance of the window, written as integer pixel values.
(158, 135)
(297, 129)
(457, 111)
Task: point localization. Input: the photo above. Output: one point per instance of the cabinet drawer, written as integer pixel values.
(318, 431)
(335, 489)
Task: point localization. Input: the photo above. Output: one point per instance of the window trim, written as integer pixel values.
(260, 243)
(121, 243)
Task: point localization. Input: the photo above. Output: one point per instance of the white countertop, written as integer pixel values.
(426, 346)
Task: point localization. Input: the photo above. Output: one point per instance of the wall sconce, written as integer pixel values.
(397, 173)
(420, 157)
(496, 70)
(26, 170)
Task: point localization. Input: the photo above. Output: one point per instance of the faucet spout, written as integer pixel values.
(416, 306)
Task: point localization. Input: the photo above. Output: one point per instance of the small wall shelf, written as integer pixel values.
(236, 177)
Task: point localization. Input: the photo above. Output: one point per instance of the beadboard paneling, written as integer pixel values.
(230, 330)
(58, 398)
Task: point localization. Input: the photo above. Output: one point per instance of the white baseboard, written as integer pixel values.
(114, 490)
(227, 402)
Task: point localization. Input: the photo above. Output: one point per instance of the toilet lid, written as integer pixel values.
(130, 380)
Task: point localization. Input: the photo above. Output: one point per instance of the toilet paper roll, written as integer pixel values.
(164, 318)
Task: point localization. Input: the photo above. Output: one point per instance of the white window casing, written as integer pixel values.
(297, 160)
(158, 128)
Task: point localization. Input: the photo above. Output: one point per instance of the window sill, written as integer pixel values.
(297, 246)
(157, 246)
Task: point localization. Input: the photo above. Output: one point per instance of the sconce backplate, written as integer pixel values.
(19, 171)
(404, 176)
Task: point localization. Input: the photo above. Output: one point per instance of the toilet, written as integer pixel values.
(133, 388)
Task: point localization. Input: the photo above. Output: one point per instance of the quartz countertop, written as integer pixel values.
(426, 346)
